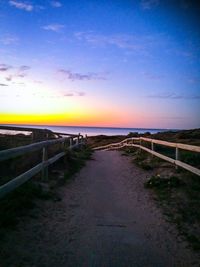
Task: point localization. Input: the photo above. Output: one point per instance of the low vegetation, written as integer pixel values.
(176, 192)
(179, 198)
(77, 160)
(101, 140)
(18, 203)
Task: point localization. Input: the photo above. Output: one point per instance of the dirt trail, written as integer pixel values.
(105, 219)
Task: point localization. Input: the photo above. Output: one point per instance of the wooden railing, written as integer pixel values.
(67, 144)
(129, 142)
(34, 131)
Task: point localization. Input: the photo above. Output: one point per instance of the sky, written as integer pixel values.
(111, 63)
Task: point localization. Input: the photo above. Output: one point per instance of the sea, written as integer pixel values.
(89, 131)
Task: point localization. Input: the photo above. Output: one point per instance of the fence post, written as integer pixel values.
(77, 140)
(70, 141)
(44, 169)
(140, 145)
(63, 145)
(177, 156)
(79, 135)
(152, 147)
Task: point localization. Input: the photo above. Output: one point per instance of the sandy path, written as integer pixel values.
(106, 218)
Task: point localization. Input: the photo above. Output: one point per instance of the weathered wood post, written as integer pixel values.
(32, 137)
(63, 145)
(44, 169)
(77, 140)
(140, 145)
(152, 147)
(79, 136)
(70, 141)
(177, 156)
(86, 139)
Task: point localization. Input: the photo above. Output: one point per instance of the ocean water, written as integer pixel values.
(90, 131)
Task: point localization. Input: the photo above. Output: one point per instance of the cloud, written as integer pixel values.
(74, 76)
(53, 27)
(19, 72)
(18, 83)
(171, 117)
(24, 68)
(74, 93)
(21, 75)
(21, 5)
(38, 82)
(39, 7)
(148, 4)
(173, 96)
(5, 67)
(151, 76)
(81, 93)
(133, 43)
(9, 78)
(22, 71)
(121, 41)
(8, 40)
(56, 4)
(3, 84)
(194, 80)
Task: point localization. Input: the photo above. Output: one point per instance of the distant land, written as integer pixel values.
(90, 131)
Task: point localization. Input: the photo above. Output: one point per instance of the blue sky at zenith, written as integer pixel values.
(136, 61)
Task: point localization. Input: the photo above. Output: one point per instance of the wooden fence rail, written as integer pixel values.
(33, 130)
(69, 143)
(129, 142)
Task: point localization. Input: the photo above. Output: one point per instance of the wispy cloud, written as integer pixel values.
(194, 80)
(8, 78)
(75, 76)
(38, 82)
(119, 40)
(74, 93)
(21, 5)
(24, 68)
(56, 4)
(133, 43)
(3, 84)
(148, 4)
(170, 117)
(5, 67)
(15, 72)
(22, 71)
(151, 76)
(53, 27)
(8, 40)
(173, 96)
(21, 83)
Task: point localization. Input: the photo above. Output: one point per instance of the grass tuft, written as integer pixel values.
(76, 160)
(158, 182)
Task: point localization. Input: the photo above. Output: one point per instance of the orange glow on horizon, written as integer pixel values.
(69, 119)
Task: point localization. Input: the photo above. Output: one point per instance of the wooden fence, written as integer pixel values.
(129, 142)
(67, 143)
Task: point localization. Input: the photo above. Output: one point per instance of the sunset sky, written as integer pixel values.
(119, 63)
